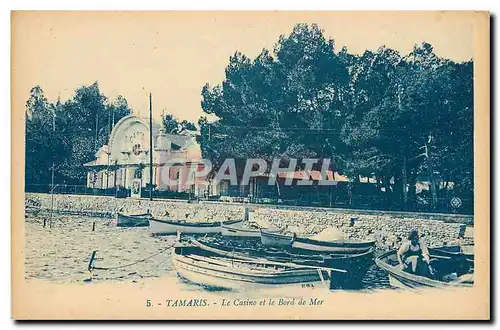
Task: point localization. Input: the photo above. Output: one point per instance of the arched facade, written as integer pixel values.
(129, 140)
(126, 157)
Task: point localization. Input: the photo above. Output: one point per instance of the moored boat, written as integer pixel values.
(336, 246)
(224, 248)
(238, 231)
(448, 273)
(165, 227)
(314, 245)
(275, 239)
(215, 271)
(133, 220)
(454, 250)
(355, 265)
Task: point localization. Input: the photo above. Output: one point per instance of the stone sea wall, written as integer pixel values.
(389, 231)
(158, 208)
(387, 228)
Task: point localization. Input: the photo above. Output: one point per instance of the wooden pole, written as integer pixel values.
(405, 179)
(405, 194)
(150, 148)
(96, 130)
(52, 176)
(431, 174)
(109, 138)
(91, 261)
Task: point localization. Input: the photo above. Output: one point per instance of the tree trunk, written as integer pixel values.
(397, 195)
(405, 181)
(431, 175)
(412, 182)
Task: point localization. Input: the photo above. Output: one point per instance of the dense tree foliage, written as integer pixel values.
(173, 126)
(286, 104)
(401, 118)
(67, 134)
(398, 118)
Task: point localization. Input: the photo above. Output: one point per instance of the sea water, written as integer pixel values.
(61, 253)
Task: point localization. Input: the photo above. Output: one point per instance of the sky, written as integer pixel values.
(173, 54)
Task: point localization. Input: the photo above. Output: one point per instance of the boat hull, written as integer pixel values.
(234, 231)
(237, 231)
(310, 245)
(231, 274)
(402, 279)
(454, 251)
(168, 227)
(355, 266)
(274, 239)
(139, 220)
(345, 247)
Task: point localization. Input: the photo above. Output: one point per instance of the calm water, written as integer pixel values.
(61, 253)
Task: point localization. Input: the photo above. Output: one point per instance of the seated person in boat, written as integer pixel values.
(413, 255)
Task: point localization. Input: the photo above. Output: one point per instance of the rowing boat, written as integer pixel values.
(133, 220)
(238, 231)
(314, 245)
(355, 265)
(165, 227)
(455, 250)
(448, 273)
(275, 239)
(214, 271)
(336, 246)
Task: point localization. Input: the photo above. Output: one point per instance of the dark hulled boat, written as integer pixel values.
(236, 230)
(455, 251)
(336, 246)
(355, 265)
(133, 220)
(275, 239)
(314, 245)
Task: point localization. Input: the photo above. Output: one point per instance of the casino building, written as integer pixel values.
(125, 160)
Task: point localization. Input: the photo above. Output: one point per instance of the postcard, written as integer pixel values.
(250, 165)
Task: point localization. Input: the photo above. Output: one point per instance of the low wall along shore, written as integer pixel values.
(389, 229)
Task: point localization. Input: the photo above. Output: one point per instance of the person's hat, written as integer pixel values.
(413, 234)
